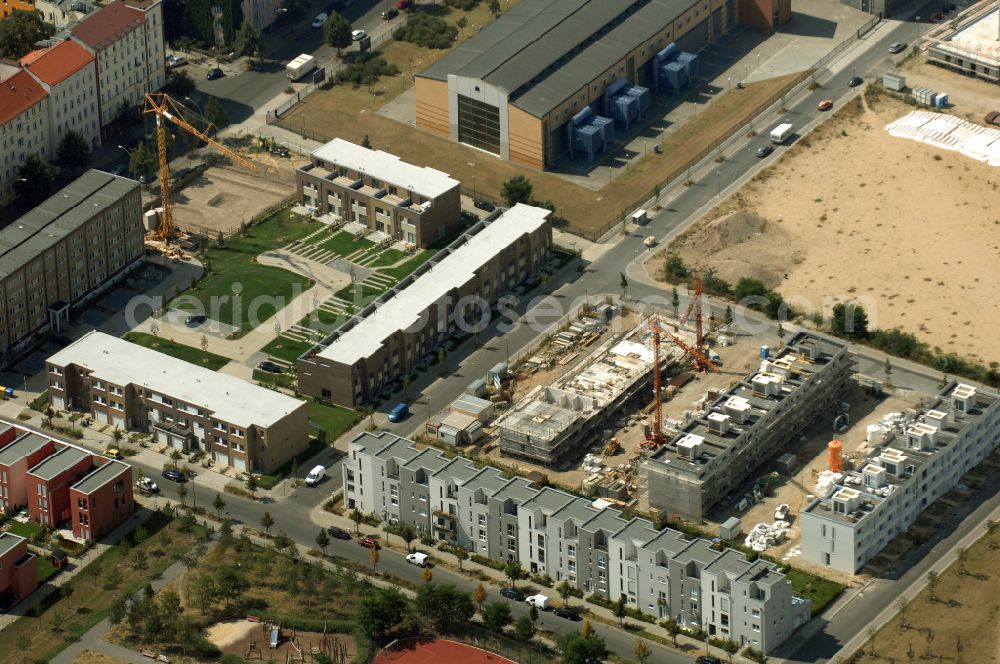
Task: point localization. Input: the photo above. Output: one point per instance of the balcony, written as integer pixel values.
(441, 514)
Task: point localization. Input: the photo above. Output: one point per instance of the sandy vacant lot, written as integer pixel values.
(221, 198)
(850, 213)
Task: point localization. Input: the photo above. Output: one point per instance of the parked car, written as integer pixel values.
(114, 453)
(993, 118)
(512, 593)
(567, 613)
(358, 35)
(147, 485)
(897, 47)
(270, 367)
(417, 558)
(540, 602)
(764, 151)
(390, 14)
(369, 543)
(781, 512)
(650, 241)
(279, 151)
(214, 74)
(855, 81)
(174, 475)
(195, 320)
(404, 4)
(484, 205)
(825, 105)
(707, 659)
(315, 475)
(399, 412)
(174, 61)
(338, 533)
(319, 20)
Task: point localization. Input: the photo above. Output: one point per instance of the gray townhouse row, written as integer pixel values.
(566, 537)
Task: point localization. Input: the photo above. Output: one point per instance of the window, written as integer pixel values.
(479, 124)
(482, 535)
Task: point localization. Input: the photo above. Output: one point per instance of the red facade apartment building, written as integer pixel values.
(102, 500)
(18, 570)
(25, 451)
(49, 482)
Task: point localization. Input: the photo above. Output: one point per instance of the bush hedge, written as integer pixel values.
(428, 31)
(488, 562)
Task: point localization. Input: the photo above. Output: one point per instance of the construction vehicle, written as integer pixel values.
(165, 108)
(612, 448)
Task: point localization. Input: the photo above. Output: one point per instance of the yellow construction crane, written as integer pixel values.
(165, 109)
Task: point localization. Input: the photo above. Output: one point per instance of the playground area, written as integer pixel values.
(266, 642)
(436, 651)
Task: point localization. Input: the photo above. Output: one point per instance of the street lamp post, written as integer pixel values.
(718, 181)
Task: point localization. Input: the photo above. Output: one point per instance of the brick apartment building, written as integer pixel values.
(25, 452)
(183, 405)
(18, 570)
(102, 500)
(415, 204)
(393, 335)
(49, 481)
(65, 252)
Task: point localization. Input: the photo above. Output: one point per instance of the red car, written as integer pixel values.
(404, 4)
(369, 543)
(825, 105)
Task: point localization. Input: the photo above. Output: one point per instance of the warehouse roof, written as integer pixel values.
(453, 271)
(543, 51)
(422, 180)
(59, 216)
(227, 398)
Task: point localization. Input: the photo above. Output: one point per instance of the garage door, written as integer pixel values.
(239, 464)
(696, 38)
(118, 421)
(161, 436)
(222, 457)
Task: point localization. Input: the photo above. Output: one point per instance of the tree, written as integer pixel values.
(513, 572)
(356, 517)
(731, 648)
(19, 32)
(902, 605)
(182, 492)
(619, 609)
(220, 240)
(322, 540)
(73, 151)
(373, 556)
(565, 589)
(247, 40)
(586, 629)
(34, 179)
(231, 584)
(203, 342)
(870, 634)
(142, 162)
(407, 533)
(728, 316)
(675, 301)
(337, 32)
(624, 284)
(517, 189)
(49, 414)
(932, 583)
(139, 558)
(479, 596)
(992, 527)
(578, 649)
(849, 321)
(252, 484)
(524, 628)
(179, 84)
(642, 652)
(380, 610)
(365, 143)
(267, 522)
(496, 617)
(888, 369)
(445, 605)
(215, 114)
(962, 556)
(494, 7)
(673, 629)
(462, 23)
(426, 575)
(117, 435)
(461, 554)
(781, 331)
(533, 614)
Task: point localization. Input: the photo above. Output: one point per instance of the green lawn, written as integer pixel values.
(26, 530)
(821, 591)
(86, 599)
(286, 349)
(281, 380)
(343, 243)
(180, 351)
(359, 295)
(333, 420)
(263, 289)
(409, 266)
(45, 569)
(387, 257)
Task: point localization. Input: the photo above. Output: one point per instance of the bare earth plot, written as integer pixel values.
(971, 98)
(221, 198)
(851, 213)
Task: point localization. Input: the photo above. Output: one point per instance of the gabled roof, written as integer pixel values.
(106, 26)
(56, 64)
(17, 94)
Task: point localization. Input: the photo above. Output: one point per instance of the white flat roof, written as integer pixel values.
(423, 180)
(455, 270)
(226, 397)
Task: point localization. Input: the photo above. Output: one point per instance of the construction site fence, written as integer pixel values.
(738, 129)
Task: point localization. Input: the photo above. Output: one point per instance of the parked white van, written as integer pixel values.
(315, 475)
(540, 602)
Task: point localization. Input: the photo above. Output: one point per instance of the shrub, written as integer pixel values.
(367, 69)
(486, 562)
(428, 31)
(203, 646)
(542, 580)
(464, 5)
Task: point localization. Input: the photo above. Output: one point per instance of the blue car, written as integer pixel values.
(399, 413)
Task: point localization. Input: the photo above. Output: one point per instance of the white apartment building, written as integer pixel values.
(117, 37)
(24, 125)
(911, 466)
(63, 13)
(587, 542)
(69, 74)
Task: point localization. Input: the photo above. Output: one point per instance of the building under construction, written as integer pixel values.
(720, 448)
(557, 424)
(970, 44)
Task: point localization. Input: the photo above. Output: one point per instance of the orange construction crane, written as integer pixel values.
(699, 358)
(656, 437)
(695, 303)
(165, 109)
